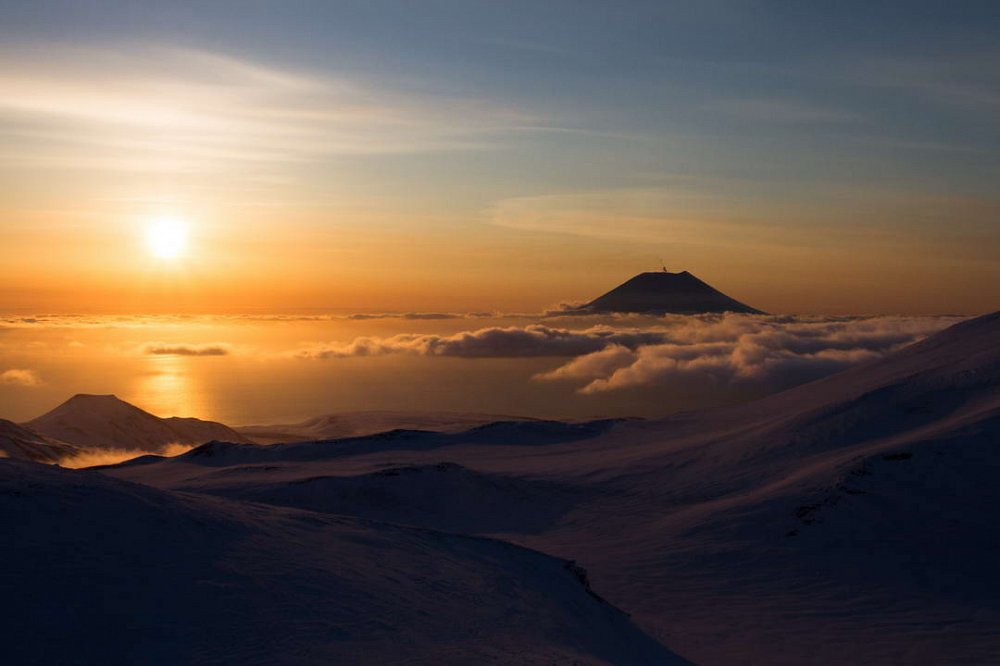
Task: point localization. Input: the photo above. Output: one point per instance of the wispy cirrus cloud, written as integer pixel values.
(725, 216)
(166, 108)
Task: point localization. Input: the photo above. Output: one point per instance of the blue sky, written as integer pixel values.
(753, 122)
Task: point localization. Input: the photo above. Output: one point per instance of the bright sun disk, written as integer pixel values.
(166, 237)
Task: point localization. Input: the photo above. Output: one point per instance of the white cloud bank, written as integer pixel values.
(770, 352)
(764, 352)
(493, 342)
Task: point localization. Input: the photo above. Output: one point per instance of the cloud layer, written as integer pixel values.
(764, 352)
(492, 342)
(768, 353)
(174, 349)
(92, 457)
(20, 377)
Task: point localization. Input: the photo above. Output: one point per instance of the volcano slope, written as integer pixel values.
(851, 519)
(665, 292)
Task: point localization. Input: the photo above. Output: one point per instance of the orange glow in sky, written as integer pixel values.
(274, 174)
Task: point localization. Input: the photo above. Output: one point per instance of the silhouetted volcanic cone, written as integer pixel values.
(663, 292)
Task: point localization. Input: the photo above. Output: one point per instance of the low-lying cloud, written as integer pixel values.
(80, 321)
(94, 457)
(413, 316)
(770, 353)
(765, 352)
(535, 340)
(20, 377)
(174, 349)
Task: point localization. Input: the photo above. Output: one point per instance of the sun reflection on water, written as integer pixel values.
(169, 388)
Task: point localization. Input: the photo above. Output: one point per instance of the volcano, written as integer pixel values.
(105, 421)
(665, 292)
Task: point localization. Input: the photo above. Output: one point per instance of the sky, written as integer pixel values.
(502, 156)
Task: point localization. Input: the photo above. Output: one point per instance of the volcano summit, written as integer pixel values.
(665, 292)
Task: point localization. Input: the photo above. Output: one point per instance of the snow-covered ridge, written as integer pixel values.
(853, 518)
(855, 510)
(360, 424)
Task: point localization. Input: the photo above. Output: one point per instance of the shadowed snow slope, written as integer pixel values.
(104, 421)
(21, 443)
(101, 571)
(359, 424)
(853, 519)
(444, 496)
(511, 433)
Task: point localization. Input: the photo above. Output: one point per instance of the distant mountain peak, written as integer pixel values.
(92, 403)
(95, 398)
(666, 292)
(107, 421)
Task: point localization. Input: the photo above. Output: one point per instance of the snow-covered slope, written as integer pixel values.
(104, 421)
(100, 571)
(359, 424)
(444, 496)
(853, 519)
(21, 443)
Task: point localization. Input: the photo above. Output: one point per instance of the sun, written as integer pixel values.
(166, 237)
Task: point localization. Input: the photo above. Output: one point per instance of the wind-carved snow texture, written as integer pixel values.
(849, 520)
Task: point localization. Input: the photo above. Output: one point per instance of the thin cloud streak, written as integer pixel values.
(94, 457)
(189, 110)
(172, 349)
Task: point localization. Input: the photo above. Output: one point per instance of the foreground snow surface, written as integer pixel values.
(101, 571)
(851, 520)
